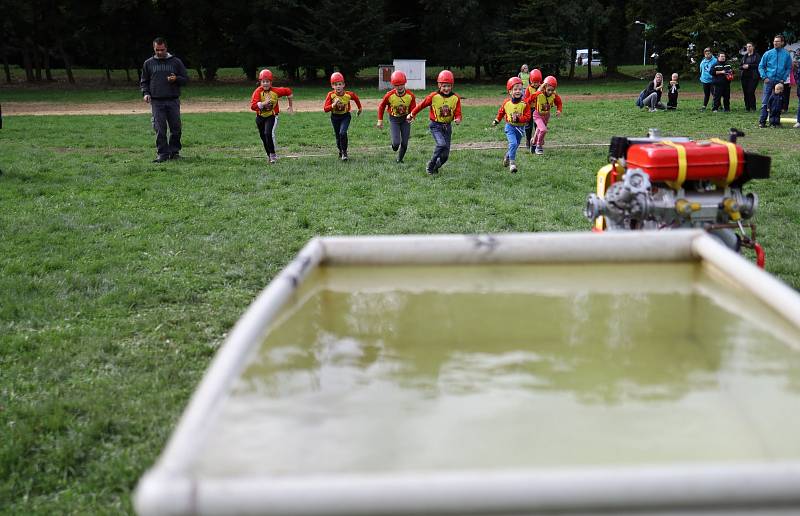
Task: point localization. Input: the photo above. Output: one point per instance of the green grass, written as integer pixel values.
(120, 278)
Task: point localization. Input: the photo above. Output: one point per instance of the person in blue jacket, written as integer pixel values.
(774, 68)
(706, 78)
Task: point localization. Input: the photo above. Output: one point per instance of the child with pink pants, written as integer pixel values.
(542, 103)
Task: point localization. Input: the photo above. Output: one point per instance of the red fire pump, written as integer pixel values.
(662, 183)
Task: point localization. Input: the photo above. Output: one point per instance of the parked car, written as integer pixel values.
(582, 55)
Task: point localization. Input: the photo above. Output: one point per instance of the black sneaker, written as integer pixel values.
(175, 155)
(161, 159)
(762, 125)
(430, 169)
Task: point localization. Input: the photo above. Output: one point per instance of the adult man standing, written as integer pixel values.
(162, 78)
(774, 67)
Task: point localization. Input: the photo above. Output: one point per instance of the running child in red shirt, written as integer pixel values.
(264, 102)
(337, 103)
(535, 80)
(517, 113)
(445, 108)
(542, 103)
(400, 102)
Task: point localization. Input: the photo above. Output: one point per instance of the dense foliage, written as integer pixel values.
(495, 37)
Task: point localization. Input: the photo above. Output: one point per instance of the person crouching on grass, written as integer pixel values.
(535, 80)
(400, 102)
(445, 108)
(337, 103)
(517, 113)
(264, 102)
(542, 103)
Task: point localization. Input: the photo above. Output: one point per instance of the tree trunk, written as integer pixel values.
(48, 73)
(108, 74)
(478, 71)
(572, 52)
(127, 74)
(27, 62)
(589, 63)
(311, 73)
(67, 62)
(37, 62)
(211, 73)
(6, 66)
(199, 70)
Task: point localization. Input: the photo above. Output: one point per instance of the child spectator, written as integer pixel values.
(445, 108)
(523, 73)
(672, 94)
(651, 96)
(264, 102)
(337, 103)
(542, 103)
(775, 105)
(535, 80)
(706, 78)
(723, 75)
(400, 102)
(517, 112)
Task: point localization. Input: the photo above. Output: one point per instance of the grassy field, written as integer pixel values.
(120, 278)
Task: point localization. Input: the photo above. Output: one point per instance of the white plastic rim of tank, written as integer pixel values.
(170, 488)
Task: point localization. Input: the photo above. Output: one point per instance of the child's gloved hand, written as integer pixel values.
(494, 122)
(410, 118)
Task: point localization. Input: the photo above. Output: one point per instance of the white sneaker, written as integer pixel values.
(797, 125)
(505, 160)
(539, 149)
(512, 166)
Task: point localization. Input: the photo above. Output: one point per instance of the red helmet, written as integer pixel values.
(398, 78)
(336, 77)
(550, 80)
(265, 75)
(511, 82)
(536, 76)
(445, 76)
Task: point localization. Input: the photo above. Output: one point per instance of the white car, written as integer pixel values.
(581, 57)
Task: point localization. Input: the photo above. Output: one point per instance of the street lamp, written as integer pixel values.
(644, 52)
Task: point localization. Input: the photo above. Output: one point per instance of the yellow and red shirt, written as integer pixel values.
(543, 103)
(516, 113)
(398, 105)
(444, 108)
(343, 105)
(271, 97)
(529, 93)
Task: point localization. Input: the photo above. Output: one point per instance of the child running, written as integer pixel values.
(400, 102)
(517, 113)
(542, 103)
(337, 103)
(535, 79)
(264, 102)
(445, 108)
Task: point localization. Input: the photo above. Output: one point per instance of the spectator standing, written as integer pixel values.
(723, 75)
(706, 79)
(523, 74)
(163, 75)
(749, 76)
(796, 75)
(774, 67)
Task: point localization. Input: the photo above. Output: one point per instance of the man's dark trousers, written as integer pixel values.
(167, 112)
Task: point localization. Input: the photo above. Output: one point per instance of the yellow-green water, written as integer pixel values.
(399, 369)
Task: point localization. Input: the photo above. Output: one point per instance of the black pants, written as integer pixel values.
(722, 95)
(749, 85)
(167, 112)
(340, 125)
(266, 130)
(672, 100)
(708, 88)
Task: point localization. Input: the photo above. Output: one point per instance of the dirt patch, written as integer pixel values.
(137, 107)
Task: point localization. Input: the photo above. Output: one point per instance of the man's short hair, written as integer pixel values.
(783, 39)
(707, 49)
(160, 41)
